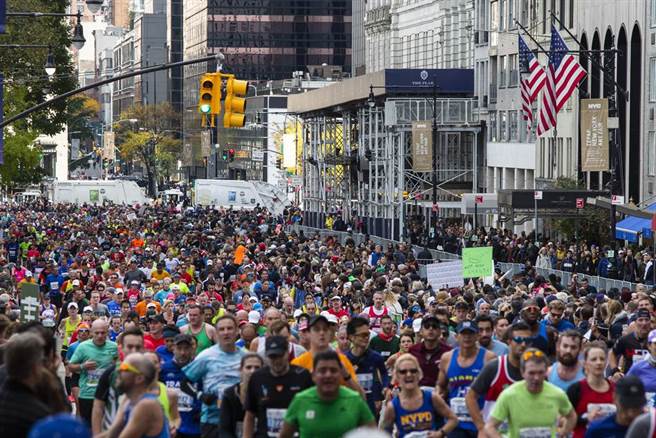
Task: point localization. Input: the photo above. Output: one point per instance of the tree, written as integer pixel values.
(22, 161)
(591, 223)
(146, 134)
(83, 108)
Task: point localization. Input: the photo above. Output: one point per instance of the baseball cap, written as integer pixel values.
(431, 300)
(253, 299)
(87, 309)
(151, 306)
(643, 313)
(416, 325)
(318, 318)
(652, 336)
(254, 317)
(134, 282)
(276, 345)
(60, 425)
(335, 298)
(76, 282)
(83, 325)
(183, 339)
(170, 331)
(210, 262)
(148, 293)
(631, 392)
(71, 305)
(330, 317)
(431, 319)
(467, 326)
(157, 318)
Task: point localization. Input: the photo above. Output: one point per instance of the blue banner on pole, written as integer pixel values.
(3, 15)
(458, 81)
(2, 116)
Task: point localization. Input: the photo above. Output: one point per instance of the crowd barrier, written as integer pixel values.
(514, 268)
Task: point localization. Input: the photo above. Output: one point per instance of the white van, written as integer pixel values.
(98, 191)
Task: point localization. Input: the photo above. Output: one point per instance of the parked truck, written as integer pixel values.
(239, 194)
(97, 192)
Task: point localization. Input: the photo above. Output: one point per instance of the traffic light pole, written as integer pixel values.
(68, 94)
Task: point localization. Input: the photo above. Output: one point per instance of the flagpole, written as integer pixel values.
(530, 36)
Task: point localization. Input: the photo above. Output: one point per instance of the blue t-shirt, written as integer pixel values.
(164, 354)
(645, 372)
(606, 428)
(562, 325)
(189, 407)
(217, 370)
(372, 375)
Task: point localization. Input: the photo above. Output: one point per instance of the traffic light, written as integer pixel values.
(231, 155)
(279, 163)
(235, 103)
(224, 155)
(209, 102)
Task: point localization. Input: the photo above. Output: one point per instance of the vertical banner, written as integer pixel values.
(422, 142)
(3, 15)
(594, 135)
(29, 302)
(205, 142)
(109, 149)
(288, 151)
(2, 114)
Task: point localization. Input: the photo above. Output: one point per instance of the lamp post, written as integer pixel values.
(49, 66)
(77, 39)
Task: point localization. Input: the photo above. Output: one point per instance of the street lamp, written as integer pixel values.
(50, 63)
(94, 6)
(78, 39)
(371, 100)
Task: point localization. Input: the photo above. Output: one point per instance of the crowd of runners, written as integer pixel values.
(153, 322)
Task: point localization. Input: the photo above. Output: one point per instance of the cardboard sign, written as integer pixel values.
(445, 274)
(477, 262)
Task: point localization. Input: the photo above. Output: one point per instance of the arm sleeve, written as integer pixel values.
(229, 416)
(640, 427)
(102, 390)
(500, 411)
(483, 381)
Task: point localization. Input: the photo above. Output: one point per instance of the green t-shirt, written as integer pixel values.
(531, 415)
(104, 357)
(385, 348)
(316, 418)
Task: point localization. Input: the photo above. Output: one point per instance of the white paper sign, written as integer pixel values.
(445, 274)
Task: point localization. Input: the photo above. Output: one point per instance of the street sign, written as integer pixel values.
(580, 203)
(29, 305)
(478, 199)
(257, 155)
(616, 200)
(537, 195)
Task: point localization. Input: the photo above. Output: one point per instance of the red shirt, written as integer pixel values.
(339, 313)
(429, 361)
(154, 343)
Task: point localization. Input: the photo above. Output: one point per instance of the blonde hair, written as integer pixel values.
(407, 357)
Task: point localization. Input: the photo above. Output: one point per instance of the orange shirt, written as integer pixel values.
(306, 360)
(141, 308)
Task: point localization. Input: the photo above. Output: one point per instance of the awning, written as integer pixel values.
(629, 227)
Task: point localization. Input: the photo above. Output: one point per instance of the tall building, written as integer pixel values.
(120, 13)
(174, 24)
(263, 40)
(358, 59)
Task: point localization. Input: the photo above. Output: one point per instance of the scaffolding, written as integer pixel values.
(357, 161)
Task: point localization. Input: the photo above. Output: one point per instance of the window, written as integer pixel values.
(652, 13)
(503, 68)
(511, 14)
(651, 154)
(503, 125)
(652, 79)
(561, 13)
(494, 23)
(514, 75)
(493, 127)
(502, 16)
(514, 126)
(571, 14)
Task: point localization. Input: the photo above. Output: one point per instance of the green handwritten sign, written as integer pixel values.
(477, 262)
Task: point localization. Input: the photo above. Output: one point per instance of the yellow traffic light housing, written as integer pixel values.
(235, 103)
(209, 100)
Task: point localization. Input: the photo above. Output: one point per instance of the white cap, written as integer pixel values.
(329, 316)
(72, 304)
(210, 262)
(87, 309)
(253, 299)
(153, 305)
(430, 300)
(76, 282)
(254, 317)
(297, 313)
(416, 325)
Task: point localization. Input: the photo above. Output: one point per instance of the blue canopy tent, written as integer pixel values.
(629, 227)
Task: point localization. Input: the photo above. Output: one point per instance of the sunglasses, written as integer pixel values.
(124, 366)
(408, 371)
(522, 339)
(83, 331)
(532, 309)
(432, 326)
(532, 353)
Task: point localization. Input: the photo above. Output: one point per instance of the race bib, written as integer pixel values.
(385, 353)
(535, 432)
(54, 285)
(459, 407)
(605, 409)
(274, 421)
(639, 354)
(185, 402)
(93, 376)
(366, 381)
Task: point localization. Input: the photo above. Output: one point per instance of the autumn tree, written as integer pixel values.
(147, 134)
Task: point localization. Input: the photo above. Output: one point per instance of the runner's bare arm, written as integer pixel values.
(491, 428)
(288, 430)
(471, 400)
(97, 414)
(387, 419)
(145, 416)
(570, 423)
(443, 409)
(174, 414)
(441, 385)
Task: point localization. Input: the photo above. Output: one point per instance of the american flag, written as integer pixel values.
(530, 87)
(563, 76)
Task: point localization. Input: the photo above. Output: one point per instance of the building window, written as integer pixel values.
(652, 13)
(503, 68)
(652, 79)
(561, 13)
(502, 15)
(494, 22)
(514, 73)
(493, 127)
(514, 126)
(651, 154)
(503, 125)
(571, 14)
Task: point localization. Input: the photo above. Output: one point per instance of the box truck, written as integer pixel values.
(239, 194)
(97, 191)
